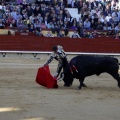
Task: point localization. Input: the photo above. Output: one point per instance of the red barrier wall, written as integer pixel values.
(35, 43)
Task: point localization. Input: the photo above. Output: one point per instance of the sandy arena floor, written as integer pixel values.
(22, 99)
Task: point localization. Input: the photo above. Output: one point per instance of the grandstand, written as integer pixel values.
(65, 19)
(28, 31)
(89, 19)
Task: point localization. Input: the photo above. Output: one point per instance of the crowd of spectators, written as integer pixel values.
(51, 14)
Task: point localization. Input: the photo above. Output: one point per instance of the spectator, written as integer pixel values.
(108, 17)
(36, 11)
(74, 21)
(79, 5)
(102, 18)
(61, 3)
(106, 27)
(38, 2)
(32, 18)
(4, 18)
(75, 35)
(90, 35)
(60, 34)
(74, 26)
(49, 34)
(112, 27)
(114, 13)
(85, 34)
(13, 24)
(87, 24)
(95, 18)
(69, 3)
(80, 29)
(40, 18)
(105, 13)
(13, 13)
(1, 14)
(111, 20)
(25, 4)
(56, 29)
(37, 24)
(68, 18)
(46, 21)
(38, 32)
(2, 6)
(50, 25)
(60, 15)
(94, 14)
(95, 34)
(80, 21)
(42, 25)
(26, 20)
(19, 1)
(29, 11)
(17, 16)
(3, 10)
(6, 23)
(33, 7)
(99, 25)
(119, 14)
(21, 25)
(61, 23)
(92, 25)
(116, 19)
(31, 28)
(117, 36)
(48, 2)
(1, 24)
(117, 28)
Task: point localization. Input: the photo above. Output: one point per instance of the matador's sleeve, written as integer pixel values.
(50, 59)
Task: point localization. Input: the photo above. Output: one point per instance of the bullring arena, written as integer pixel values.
(21, 98)
(28, 31)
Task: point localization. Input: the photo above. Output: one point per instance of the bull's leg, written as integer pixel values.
(81, 84)
(117, 77)
(84, 85)
(113, 71)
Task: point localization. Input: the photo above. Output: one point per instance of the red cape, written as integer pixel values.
(45, 79)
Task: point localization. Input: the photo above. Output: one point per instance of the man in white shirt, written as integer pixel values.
(108, 17)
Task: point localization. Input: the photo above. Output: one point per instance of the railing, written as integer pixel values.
(68, 53)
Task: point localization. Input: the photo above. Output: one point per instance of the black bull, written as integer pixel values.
(82, 66)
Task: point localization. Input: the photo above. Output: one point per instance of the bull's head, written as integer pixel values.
(67, 78)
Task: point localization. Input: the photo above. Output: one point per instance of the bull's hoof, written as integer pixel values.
(66, 85)
(79, 88)
(84, 85)
(119, 85)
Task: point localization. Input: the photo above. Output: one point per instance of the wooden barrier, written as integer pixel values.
(3, 31)
(35, 43)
